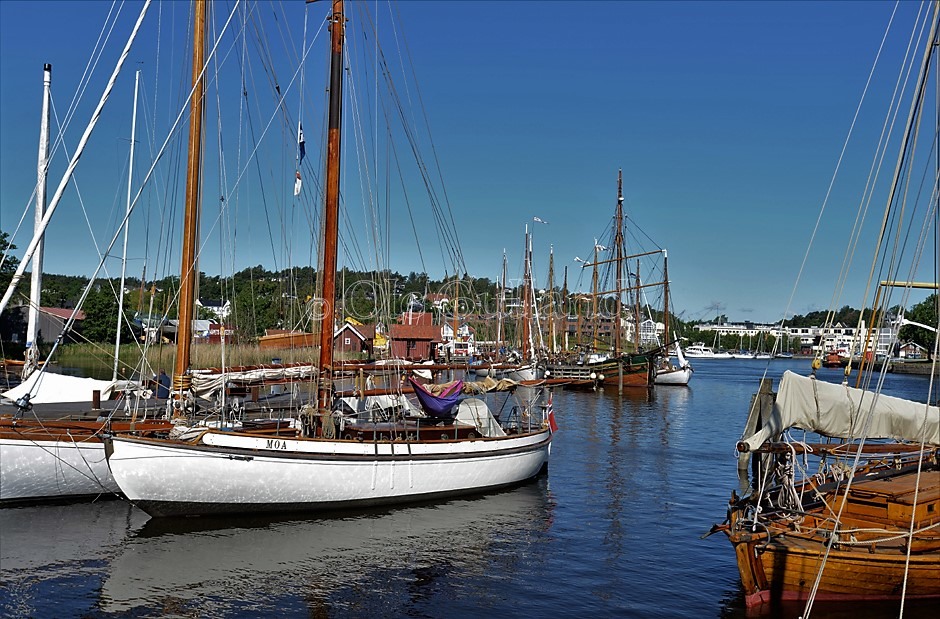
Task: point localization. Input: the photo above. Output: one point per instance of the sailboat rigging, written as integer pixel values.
(625, 363)
(849, 511)
(344, 449)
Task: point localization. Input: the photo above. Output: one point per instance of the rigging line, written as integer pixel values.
(839, 161)
(907, 144)
(899, 217)
(366, 184)
(267, 126)
(874, 172)
(251, 156)
(876, 167)
(268, 65)
(92, 63)
(446, 233)
(893, 270)
(68, 325)
(18, 275)
(72, 109)
(424, 114)
(223, 210)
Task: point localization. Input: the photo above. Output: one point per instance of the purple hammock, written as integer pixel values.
(437, 405)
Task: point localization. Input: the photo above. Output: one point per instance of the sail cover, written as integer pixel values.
(49, 388)
(440, 404)
(840, 411)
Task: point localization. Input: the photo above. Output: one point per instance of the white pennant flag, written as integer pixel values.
(297, 185)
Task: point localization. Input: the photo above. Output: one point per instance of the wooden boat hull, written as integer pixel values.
(786, 570)
(780, 560)
(56, 460)
(287, 340)
(224, 472)
(634, 373)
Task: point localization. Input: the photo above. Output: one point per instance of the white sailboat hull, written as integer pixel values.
(237, 473)
(526, 372)
(679, 376)
(40, 470)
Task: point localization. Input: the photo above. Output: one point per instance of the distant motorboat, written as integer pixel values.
(701, 351)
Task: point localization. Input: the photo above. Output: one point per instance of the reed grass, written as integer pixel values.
(98, 359)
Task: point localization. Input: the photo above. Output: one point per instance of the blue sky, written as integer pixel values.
(727, 119)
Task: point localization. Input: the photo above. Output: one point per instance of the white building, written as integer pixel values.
(461, 347)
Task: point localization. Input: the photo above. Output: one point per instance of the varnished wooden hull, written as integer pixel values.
(635, 373)
(786, 570)
(785, 555)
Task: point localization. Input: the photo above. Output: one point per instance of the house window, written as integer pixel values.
(346, 341)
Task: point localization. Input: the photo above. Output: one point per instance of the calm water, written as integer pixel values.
(613, 530)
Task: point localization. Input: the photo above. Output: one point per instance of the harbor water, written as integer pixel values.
(613, 529)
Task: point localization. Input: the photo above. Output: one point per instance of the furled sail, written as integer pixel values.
(840, 411)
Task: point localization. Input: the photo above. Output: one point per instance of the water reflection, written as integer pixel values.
(50, 554)
(400, 557)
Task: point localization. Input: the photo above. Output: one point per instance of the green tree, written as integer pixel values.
(10, 322)
(8, 268)
(101, 310)
(926, 313)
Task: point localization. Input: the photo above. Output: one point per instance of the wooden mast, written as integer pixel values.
(188, 272)
(501, 309)
(453, 340)
(526, 300)
(551, 297)
(636, 321)
(331, 208)
(594, 301)
(565, 305)
(618, 247)
(666, 302)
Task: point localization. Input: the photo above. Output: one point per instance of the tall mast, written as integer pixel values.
(618, 248)
(594, 301)
(189, 274)
(331, 206)
(501, 306)
(456, 305)
(130, 176)
(636, 321)
(551, 297)
(564, 305)
(665, 300)
(32, 325)
(526, 301)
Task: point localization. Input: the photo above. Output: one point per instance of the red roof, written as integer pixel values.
(416, 318)
(62, 313)
(363, 332)
(416, 332)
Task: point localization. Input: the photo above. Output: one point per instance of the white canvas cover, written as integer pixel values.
(473, 411)
(840, 411)
(49, 387)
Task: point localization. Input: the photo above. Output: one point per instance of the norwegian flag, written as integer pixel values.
(550, 411)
